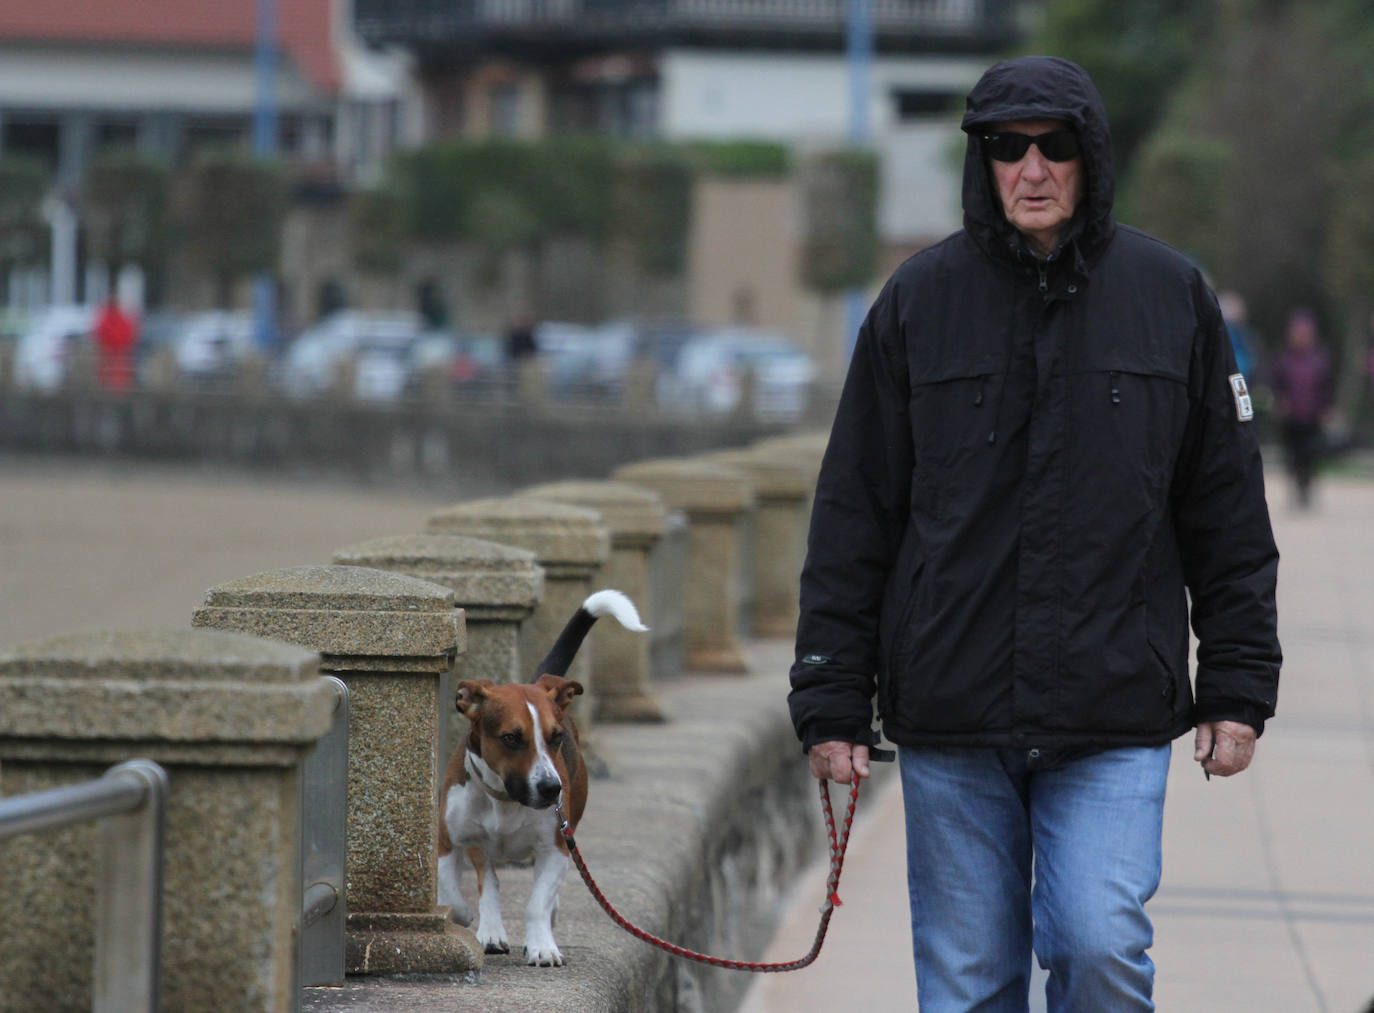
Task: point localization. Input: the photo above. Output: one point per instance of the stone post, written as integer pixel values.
(783, 488)
(569, 542)
(719, 504)
(389, 638)
(635, 519)
(231, 718)
(496, 586)
(805, 448)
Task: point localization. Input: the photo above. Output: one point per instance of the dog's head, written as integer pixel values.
(519, 734)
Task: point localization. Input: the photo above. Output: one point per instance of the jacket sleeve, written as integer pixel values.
(860, 512)
(1229, 557)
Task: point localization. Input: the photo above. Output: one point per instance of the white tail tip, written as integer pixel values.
(616, 604)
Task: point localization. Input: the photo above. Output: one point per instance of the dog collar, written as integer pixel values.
(486, 777)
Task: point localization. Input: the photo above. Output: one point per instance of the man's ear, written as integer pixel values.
(560, 690)
(471, 693)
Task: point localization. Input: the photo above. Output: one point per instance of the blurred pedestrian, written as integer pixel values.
(520, 340)
(1042, 450)
(116, 334)
(1302, 384)
(1243, 342)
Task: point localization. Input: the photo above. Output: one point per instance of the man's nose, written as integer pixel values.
(1034, 165)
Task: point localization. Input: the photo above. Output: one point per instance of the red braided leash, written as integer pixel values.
(838, 843)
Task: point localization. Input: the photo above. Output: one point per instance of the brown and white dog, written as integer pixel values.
(520, 758)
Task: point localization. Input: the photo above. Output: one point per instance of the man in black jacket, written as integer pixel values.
(1043, 448)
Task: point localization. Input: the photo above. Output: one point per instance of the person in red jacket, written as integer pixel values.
(116, 334)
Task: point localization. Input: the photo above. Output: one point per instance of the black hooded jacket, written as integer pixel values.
(1033, 464)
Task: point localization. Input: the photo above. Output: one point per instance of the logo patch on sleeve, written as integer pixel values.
(1245, 409)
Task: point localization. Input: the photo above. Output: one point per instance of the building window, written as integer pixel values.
(919, 103)
(503, 117)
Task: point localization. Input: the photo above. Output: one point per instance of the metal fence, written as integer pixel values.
(130, 802)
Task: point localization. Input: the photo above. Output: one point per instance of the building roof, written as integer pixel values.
(304, 27)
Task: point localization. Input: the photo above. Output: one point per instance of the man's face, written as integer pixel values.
(1038, 196)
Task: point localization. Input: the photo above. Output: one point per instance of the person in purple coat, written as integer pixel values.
(1302, 396)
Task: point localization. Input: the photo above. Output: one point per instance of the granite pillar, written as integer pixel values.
(635, 520)
(782, 488)
(719, 504)
(496, 586)
(231, 718)
(390, 638)
(570, 544)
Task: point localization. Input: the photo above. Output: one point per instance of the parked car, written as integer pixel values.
(208, 346)
(312, 362)
(583, 360)
(44, 351)
(711, 370)
(470, 363)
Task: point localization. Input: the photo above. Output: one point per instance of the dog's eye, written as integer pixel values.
(556, 739)
(512, 740)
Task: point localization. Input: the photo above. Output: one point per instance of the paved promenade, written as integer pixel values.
(1268, 897)
(1267, 904)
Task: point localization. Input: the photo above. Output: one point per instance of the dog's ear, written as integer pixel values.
(471, 693)
(560, 690)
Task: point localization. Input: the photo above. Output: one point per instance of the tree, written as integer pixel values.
(1349, 263)
(125, 211)
(23, 236)
(840, 220)
(234, 207)
(1135, 50)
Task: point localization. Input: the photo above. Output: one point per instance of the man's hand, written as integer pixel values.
(838, 761)
(1222, 747)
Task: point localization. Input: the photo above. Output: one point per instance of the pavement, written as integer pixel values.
(1267, 904)
(1267, 901)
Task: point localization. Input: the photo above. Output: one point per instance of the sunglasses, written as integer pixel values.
(1057, 145)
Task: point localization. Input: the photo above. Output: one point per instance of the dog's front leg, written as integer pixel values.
(451, 868)
(550, 866)
(491, 930)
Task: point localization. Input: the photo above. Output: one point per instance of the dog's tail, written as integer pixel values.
(601, 603)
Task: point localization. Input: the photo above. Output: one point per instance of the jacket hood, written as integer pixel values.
(1038, 88)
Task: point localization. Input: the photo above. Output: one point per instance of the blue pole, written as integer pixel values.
(859, 52)
(265, 146)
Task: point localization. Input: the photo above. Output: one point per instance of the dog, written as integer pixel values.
(499, 793)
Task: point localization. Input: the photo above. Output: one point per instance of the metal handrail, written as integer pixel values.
(130, 801)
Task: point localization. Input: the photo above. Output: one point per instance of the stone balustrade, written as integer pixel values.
(708, 547)
(230, 717)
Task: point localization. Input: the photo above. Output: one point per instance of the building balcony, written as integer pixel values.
(549, 29)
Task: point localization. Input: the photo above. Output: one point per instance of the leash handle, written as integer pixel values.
(839, 841)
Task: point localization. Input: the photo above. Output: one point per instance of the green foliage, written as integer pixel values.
(234, 206)
(840, 210)
(1135, 51)
(738, 159)
(126, 210)
(1182, 189)
(1349, 254)
(651, 210)
(503, 193)
(376, 230)
(23, 235)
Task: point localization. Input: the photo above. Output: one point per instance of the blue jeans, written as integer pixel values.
(976, 820)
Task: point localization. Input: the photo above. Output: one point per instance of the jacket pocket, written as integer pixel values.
(1168, 679)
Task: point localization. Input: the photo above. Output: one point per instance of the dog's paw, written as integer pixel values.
(493, 942)
(460, 913)
(543, 957)
(541, 950)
